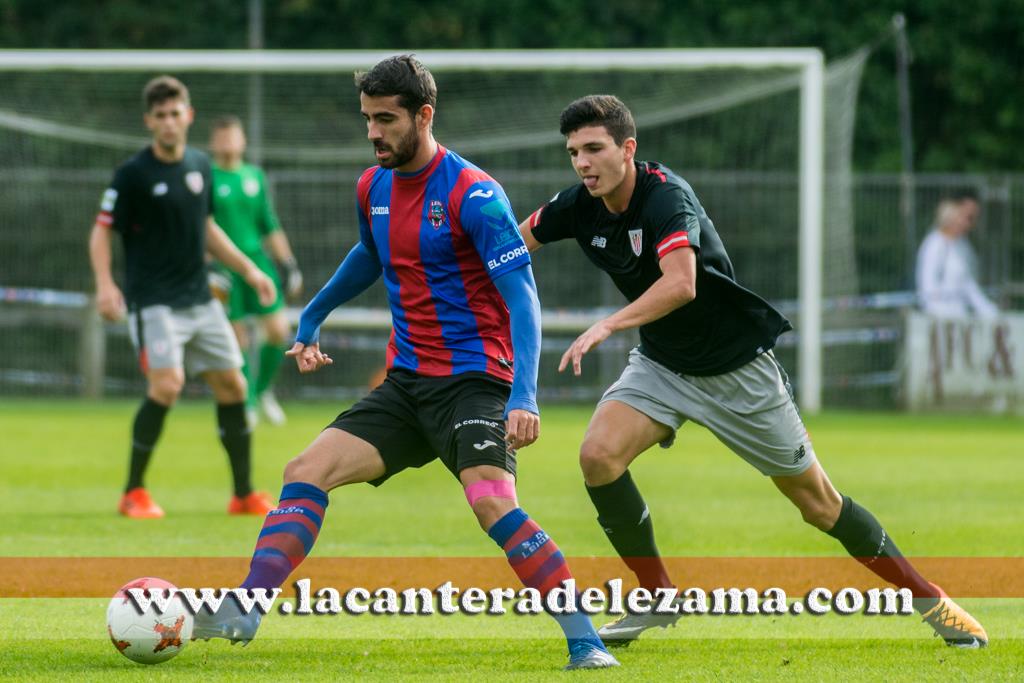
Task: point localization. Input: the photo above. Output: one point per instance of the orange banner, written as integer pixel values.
(88, 577)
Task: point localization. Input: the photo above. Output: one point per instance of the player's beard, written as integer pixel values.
(403, 151)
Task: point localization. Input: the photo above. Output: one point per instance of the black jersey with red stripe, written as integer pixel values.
(160, 209)
(724, 327)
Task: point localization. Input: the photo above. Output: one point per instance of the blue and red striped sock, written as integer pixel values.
(288, 534)
(539, 564)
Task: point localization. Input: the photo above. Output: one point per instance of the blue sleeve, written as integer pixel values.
(359, 270)
(519, 290)
(486, 216)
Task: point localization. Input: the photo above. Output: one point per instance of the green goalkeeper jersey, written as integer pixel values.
(242, 206)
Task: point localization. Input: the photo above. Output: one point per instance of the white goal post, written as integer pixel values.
(808, 62)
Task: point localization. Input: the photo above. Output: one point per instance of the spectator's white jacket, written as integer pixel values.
(946, 286)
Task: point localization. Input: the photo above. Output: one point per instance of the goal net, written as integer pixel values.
(763, 136)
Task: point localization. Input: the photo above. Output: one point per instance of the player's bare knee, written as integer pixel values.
(228, 387)
(237, 388)
(598, 462)
(305, 468)
(165, 390)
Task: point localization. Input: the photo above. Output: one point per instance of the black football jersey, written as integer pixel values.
(160, 210)
(724, 327)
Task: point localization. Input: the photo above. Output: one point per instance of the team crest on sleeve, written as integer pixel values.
(109, 199)
(636, 240)
(194, 180)
(435, 213)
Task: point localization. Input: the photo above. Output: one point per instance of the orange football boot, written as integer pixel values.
(138, 505)
(256, 503)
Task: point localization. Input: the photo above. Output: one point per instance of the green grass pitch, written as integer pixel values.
(942, 486)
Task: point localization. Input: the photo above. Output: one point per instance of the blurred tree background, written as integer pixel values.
(966, 78)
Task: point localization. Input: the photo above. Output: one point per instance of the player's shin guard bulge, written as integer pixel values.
(626, 522)
(539, 564)
(866, 540)
(287, 536)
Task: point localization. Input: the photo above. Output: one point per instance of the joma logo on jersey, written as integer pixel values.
(435, 214)
(379, 211)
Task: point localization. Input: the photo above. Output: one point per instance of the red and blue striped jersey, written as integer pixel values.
(442, 235)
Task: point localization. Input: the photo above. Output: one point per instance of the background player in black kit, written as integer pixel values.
(160, 203)
(705, 356)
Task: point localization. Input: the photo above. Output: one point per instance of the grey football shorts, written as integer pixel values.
(196, 338)
(751, 409)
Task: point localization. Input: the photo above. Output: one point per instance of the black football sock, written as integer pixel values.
(866, 540)
(626, 521)
(237, 440)
(149, 422)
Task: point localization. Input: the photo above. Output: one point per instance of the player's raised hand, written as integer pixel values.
(110, 302)
(309, 358)
(264, 286)
(521, 428)
(590, 339)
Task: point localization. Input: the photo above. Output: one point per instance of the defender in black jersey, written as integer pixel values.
(705, 355)
(160, 203)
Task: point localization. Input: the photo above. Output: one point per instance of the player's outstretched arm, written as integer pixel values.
(109, 300)
(526, 230)
(359, 270)
(676, 287)
(522, 418)
(225, 251)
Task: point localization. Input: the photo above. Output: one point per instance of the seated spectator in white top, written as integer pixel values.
(946, 264)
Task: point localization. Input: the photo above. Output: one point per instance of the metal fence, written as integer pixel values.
(51, 344)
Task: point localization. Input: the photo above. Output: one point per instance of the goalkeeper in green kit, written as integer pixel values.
(242, 207)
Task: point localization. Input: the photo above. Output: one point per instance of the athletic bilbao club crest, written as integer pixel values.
(194, 180)
(636, 240)
(436, 213)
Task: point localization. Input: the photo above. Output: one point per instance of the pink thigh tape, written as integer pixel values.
(486, 487)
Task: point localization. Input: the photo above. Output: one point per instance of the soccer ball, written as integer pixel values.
(148, 637)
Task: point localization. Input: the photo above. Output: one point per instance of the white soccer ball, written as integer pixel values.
(151, 636)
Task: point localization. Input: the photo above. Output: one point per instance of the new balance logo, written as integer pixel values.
(485, 444)
(481, 193)
(379, 211)
(799, 454)
(599, 242)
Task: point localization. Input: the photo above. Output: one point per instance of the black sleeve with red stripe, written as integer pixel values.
(554, 221)
(116, 202)
(673, 216)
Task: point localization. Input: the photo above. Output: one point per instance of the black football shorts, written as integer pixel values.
(412, 420)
